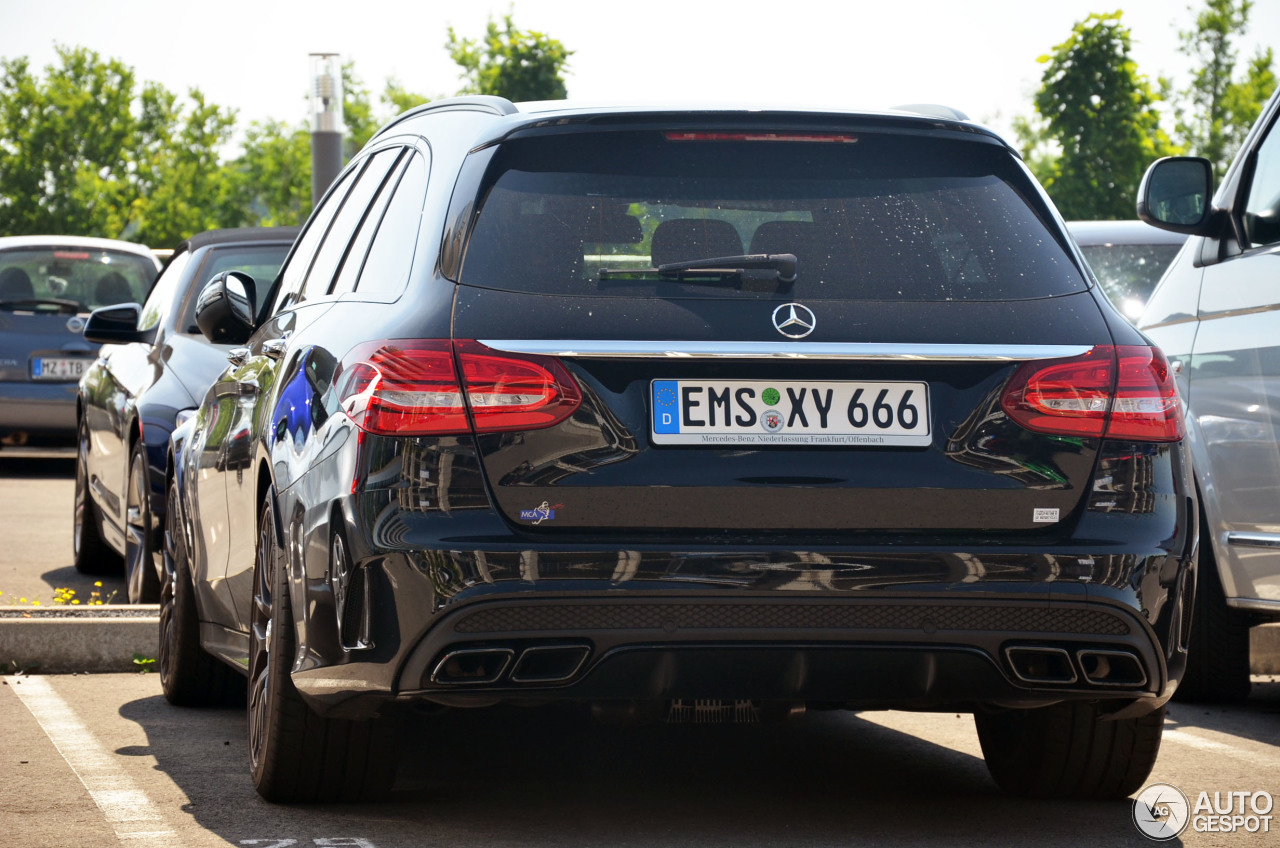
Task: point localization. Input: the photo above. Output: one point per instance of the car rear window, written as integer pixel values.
(1129, 272)
(87, 277)
(871, 216)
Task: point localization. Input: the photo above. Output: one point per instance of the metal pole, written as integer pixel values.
(327, 129)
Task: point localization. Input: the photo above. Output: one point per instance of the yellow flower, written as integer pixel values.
(98, 583)
(75, 602)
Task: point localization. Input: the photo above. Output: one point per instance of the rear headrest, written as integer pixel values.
(112, 288)
(15, 285)
(784, 237)
(693, 238)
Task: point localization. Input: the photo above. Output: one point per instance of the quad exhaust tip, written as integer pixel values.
(1111, 668)
(472, 665)
(537, 664)
(1042, 665)
(549, 663)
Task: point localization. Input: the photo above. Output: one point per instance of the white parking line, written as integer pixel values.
(1183, 737)
(127, 809)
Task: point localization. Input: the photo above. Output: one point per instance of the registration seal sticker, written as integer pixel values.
(771, 421)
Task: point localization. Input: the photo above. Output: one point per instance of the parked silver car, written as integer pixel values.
(1216, 314)
(48, 285)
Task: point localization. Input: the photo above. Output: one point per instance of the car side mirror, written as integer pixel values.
(225, 308)
(1175, 195)
(117, 325)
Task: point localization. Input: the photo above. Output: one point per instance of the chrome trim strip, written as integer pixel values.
(1254, 605)
(609, 349)
(1254, 540)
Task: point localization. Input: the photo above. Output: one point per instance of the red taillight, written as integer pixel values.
(403, 388)
(510, 392)
(1147, 406)
(1083, 396)
(410, 388)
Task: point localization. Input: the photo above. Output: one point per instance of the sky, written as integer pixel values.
(978, 56)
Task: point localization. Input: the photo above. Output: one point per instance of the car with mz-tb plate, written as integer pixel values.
(711, 412)
(48, 287)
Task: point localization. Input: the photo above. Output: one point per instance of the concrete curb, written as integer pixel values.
(93, 639)
(107, 638)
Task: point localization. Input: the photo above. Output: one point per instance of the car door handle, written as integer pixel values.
(237, 356)
(274, 348)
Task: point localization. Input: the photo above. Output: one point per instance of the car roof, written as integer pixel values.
(1095, 233)
(510, 117)
(11, 242)
(240, 235)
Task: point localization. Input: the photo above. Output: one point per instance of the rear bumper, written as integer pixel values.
(924, 642)
(39, 409)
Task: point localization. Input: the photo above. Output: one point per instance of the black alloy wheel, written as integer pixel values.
(91, 552)
(295, 754)
(139, 562)
(189, 675)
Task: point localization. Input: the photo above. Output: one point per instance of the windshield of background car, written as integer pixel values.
(86, 277)
(870, 216)
(1129, 272)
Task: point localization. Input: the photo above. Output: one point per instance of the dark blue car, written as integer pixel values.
(153, 365)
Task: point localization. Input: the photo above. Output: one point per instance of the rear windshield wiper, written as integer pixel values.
(782, 266)
(61, 304)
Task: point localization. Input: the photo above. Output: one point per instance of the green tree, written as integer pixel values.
(1217, 110)
(1101, 113)
(66, 145)
(187, 189)
(85, 152)
(512, 63)
(401, 99)
(357, 112)
(271, 179)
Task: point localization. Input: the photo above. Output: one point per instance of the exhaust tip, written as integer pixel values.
(1039, 665)
(472, 666)
(1111, 668)
(549, 663)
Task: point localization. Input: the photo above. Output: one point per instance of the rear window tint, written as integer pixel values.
(86, 276)
(880, 218)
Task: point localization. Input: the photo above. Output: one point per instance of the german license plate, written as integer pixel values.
(58, 367)
(761, 412)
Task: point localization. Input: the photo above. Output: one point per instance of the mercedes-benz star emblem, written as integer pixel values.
(794, 320)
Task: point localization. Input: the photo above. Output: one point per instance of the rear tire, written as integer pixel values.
(1218, 647)
(92, 554)
(1066, 751)
(295, 754)
(189, 675)
(141, 579)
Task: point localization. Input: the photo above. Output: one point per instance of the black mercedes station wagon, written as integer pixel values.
(676, 411)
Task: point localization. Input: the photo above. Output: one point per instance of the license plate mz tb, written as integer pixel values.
(761, 412)
(58, 368)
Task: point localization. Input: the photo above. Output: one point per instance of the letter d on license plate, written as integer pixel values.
(737, 412)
